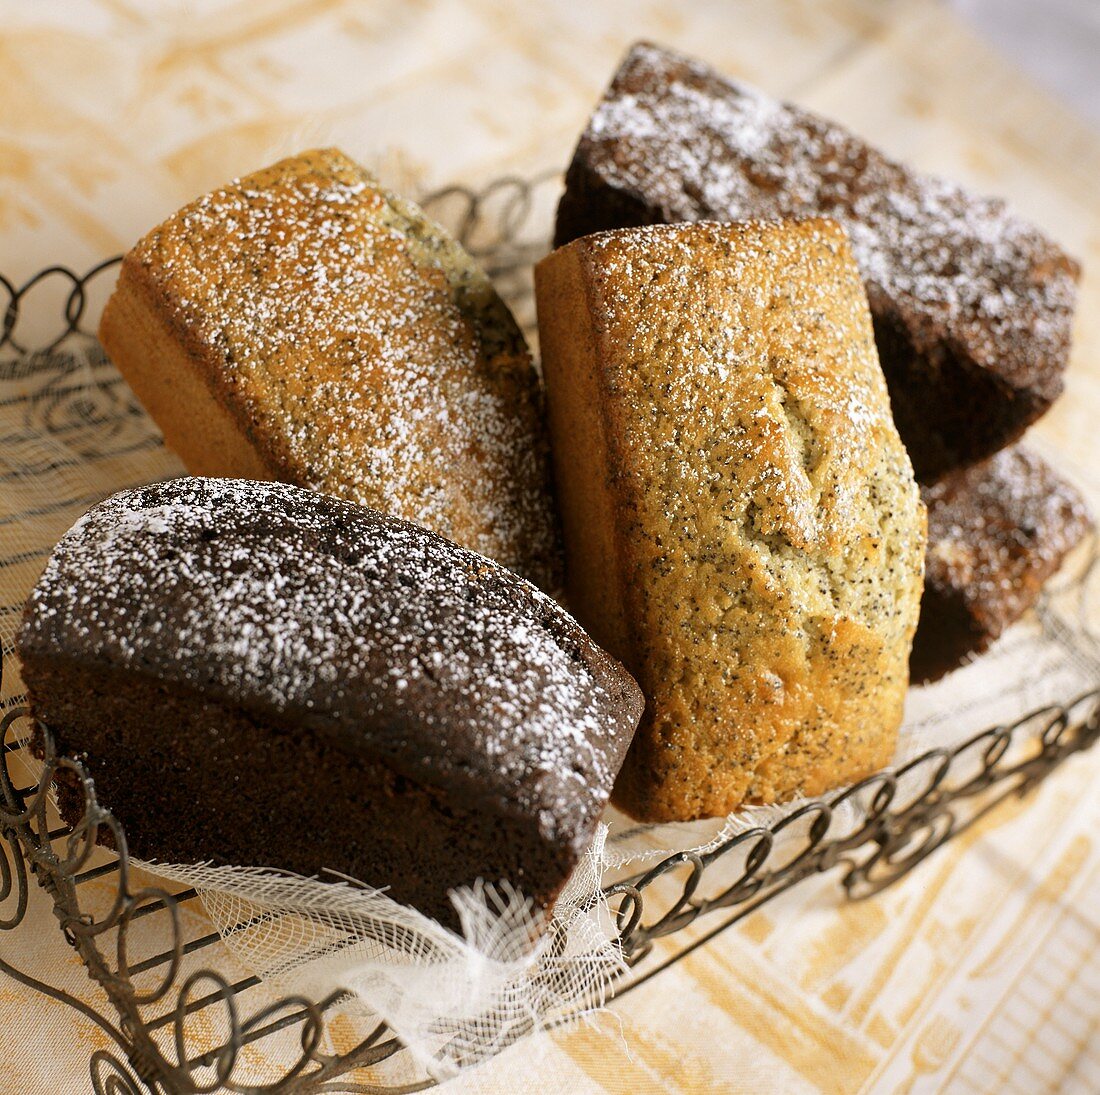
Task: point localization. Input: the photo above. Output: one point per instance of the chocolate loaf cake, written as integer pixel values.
(306, 325)
(741, 522)
(261, 675)
(996, 533)
(972, 306)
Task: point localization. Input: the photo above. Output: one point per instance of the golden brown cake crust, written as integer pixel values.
(741, 521)
(306, 325)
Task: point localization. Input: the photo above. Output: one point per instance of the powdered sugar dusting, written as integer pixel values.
(363, 353)
(998, 531)
(318, 613)
(696, 146)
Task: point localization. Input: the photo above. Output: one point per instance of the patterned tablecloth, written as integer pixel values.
(978, 973)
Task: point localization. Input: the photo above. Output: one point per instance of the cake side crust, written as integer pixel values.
(171, 378)
(227, 788)
(588, 482)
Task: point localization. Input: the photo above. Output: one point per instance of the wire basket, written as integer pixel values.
(155, 984)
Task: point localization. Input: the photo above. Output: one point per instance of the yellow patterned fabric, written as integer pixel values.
(978, 973)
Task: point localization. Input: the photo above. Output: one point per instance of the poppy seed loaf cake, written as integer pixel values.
(972, 305)
(306, 325)
(741, 522)
(996, 533)
(261, 675)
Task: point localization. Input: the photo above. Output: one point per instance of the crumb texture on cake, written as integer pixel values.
(741, 521)
(996, 533)
(972, 305)
(307, 325)
(274, 649)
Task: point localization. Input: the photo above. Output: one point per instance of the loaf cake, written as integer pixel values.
(972, 306)
(996, 533)
(262, 675)
(303, 324)
(741, 522)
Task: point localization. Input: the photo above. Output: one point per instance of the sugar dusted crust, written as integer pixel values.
(227, 652)
(972, 305)
(741, 521)
(306, 325)
(996, 533)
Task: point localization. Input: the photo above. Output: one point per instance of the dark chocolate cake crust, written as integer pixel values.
(264, 676)
(972, 306)
(996, 533)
